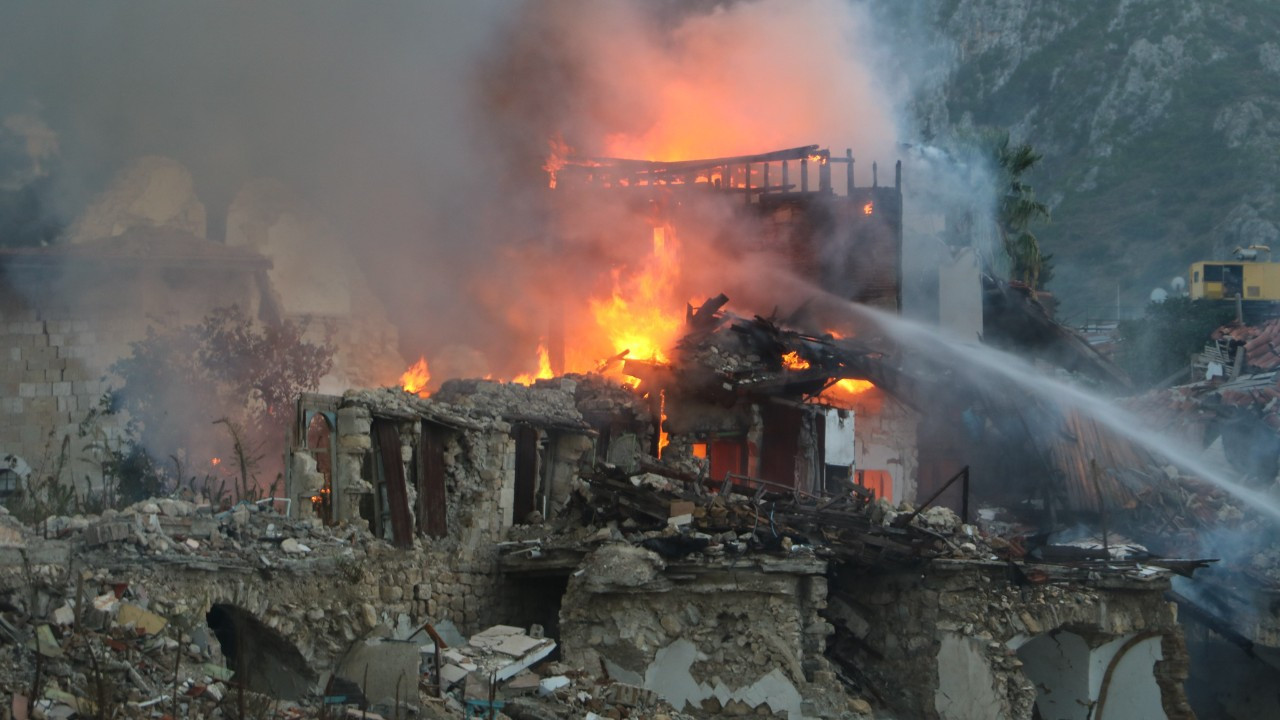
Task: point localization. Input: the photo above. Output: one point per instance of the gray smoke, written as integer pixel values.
(419, 129)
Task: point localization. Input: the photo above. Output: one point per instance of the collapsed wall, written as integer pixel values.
(979, 639)
(543, 509)
(244, 592)
(734, 636)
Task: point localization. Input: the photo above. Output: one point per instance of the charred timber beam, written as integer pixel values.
(824, 171)
(704, 317)
(684, 166)
(905, 520)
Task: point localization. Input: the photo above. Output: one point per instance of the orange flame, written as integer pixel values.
(793, 361)
(557, 156)
(215, 461)
(415, 379)
(846, 392)
(544, 368)
(868, 209)
(664, 439)
(638, 317)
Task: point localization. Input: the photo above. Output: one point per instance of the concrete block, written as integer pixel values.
(104, 533)
(144, 621)
(61, 388)
(43, 403)
(355, 442)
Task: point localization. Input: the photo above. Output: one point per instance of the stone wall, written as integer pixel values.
(720, 636)
(885, 439)
(62, 328)
(479, 463)
(308, 591)
(944, 643)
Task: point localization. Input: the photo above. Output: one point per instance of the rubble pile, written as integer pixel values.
(1261, 343)
(599, 397)
(115, 614)
(565, 550)
(899, 631)
(169, 529)
(547, 401)
(501, 668)
(677, 514)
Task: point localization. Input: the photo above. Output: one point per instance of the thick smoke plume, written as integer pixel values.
(420, 130)
(413, 138)
(665, 81)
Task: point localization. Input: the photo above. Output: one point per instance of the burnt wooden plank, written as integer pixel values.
(526, 481)
(388, 440)
(432, 519)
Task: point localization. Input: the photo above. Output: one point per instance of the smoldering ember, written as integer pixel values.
(693, 433)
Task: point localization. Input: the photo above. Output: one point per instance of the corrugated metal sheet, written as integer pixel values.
(1098, 468)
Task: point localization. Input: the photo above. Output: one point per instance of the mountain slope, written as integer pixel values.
(1157, 119)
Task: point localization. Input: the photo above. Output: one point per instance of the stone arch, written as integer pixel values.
(1080, 675)
(263, 659)
(320, 442)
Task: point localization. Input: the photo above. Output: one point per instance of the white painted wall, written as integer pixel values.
(1133, 693)
(1058, 665)
(966, 683)
(1068, 675)
(669, 676)
(886, 440)
(839, 446)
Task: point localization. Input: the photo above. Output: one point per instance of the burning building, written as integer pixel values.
(674, 474)
(786, 505)
(559, 504)
(734, 474)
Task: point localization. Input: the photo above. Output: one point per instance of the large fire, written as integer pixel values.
(639, 317)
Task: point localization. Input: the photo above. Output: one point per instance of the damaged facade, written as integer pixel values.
(785, 519)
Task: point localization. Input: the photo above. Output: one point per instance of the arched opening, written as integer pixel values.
(1058, 664)
(260, 657)
(319, 442)
(1102, 678)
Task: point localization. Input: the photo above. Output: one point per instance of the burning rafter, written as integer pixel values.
(751, 174)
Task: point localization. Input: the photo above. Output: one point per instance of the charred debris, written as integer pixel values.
(702, 544)
(785, 520)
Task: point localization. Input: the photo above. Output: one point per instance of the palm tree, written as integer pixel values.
(1017, 210)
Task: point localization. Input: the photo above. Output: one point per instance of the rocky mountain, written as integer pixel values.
(1157, 120)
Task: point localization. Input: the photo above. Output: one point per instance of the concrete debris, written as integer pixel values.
(141, 620)
(503, 551)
